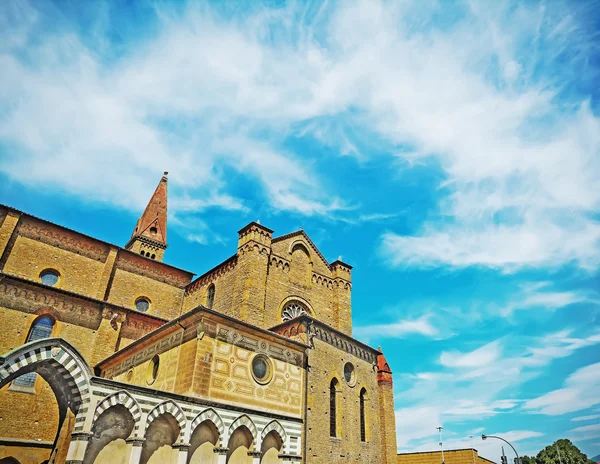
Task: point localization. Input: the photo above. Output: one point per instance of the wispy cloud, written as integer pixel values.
(399, 329)
(586, 418)
(475, 385)
(480, 357)
(581, 390)
(202, 95)
(586, 432)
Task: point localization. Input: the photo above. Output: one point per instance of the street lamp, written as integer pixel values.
(440, 428)
(483, 437)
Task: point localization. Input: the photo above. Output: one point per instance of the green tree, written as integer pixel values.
(562, 452)
(528, 460)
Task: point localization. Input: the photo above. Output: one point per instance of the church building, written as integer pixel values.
(110, 355)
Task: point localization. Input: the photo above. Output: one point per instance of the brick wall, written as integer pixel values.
(463, 456)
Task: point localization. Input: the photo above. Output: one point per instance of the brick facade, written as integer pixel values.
(204, 355)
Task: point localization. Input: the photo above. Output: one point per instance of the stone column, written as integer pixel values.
(290, 458)
(221, 455)
(78, 447)
(183, 452)
(136, 449)
(255, 455)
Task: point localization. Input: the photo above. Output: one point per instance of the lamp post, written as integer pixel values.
(441, 443)
(483, 437)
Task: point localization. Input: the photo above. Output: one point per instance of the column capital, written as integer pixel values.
(290, 457)
(181, 446)
(81, 436)
(136, 441)
(255, 454)
(218, 450)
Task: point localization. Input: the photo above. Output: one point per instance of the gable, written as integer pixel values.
(284, 245)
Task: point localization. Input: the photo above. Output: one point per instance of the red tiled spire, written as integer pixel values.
(384, 373)
(153, 222)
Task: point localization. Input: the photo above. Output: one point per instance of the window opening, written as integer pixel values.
(332, 409)
(41, 328)
(49, 277)
(142, 304)
(363, 434)
(210, 297)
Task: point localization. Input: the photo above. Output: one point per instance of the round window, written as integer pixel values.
(292, 309)
(261, 369)
(349, 374)
(152, 371)
(49, 277)
(142, 304)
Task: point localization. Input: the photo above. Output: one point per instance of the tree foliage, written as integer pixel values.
(560, 452)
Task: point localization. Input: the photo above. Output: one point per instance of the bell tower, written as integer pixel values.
(149, 237)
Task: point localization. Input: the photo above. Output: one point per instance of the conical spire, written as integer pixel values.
(149, 237)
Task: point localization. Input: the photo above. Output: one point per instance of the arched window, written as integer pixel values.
(363, 425)
(333, 408)
(41, 328)
(210, 296)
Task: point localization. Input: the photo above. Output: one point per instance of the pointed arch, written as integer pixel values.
(210, 415)
(274, 426)
(58, 363)
(246, 421)
(168, 407)
(126, 400)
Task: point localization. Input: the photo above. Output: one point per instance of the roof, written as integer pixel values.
(160, 263)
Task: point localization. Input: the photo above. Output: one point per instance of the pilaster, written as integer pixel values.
(136, 449)
(255, 455)
(221, 455)
(78, 447)
(182, 455)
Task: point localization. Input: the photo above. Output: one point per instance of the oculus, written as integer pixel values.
(49, 277)
(262, 369)
(142, 304)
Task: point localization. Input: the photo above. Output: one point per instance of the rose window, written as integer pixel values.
(292, 310)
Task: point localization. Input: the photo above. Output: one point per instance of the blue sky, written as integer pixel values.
(450, 151)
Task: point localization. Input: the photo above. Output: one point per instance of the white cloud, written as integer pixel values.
(581, 390)
(586, 418)
(399, 329)
(538, 295)
(475, 408)
(482, 356)
(474, 386)
(203, 95)
(587, 432)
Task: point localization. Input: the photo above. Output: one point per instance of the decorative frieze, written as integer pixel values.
(64, 239)
(144, 355)
(139, 265)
